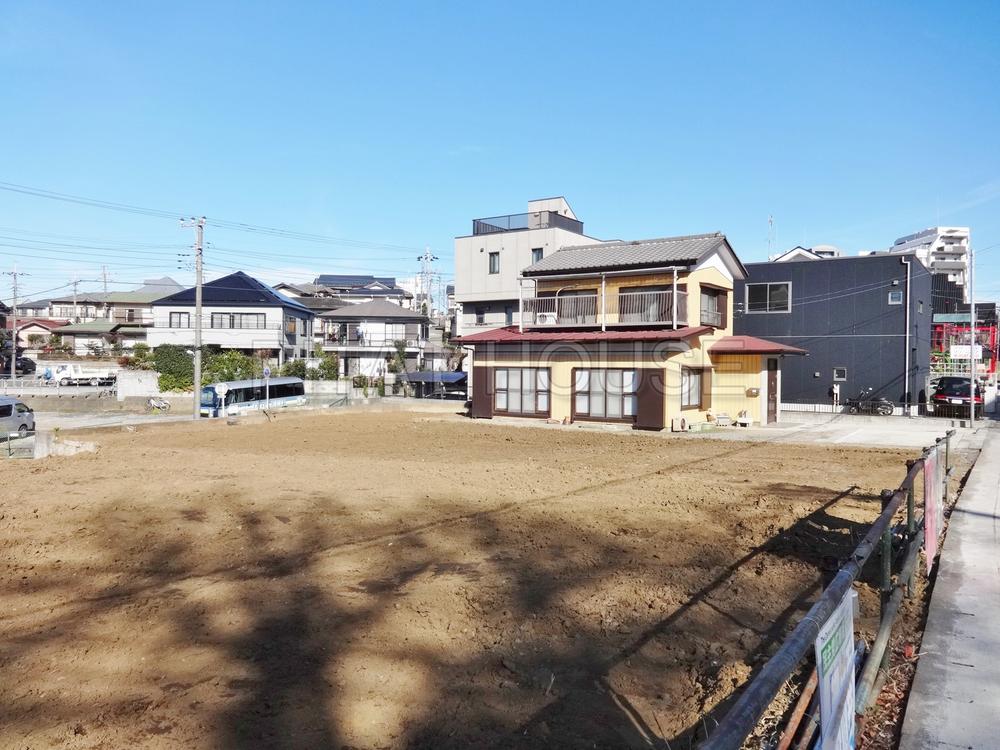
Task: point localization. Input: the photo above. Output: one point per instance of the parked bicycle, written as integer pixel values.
(157, 405)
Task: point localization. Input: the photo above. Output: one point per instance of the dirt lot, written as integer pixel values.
(403, 580)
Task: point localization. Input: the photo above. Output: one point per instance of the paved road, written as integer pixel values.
(955, 699)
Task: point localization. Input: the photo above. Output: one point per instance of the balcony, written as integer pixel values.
(522, 222)
(621, 309)
(366, 342)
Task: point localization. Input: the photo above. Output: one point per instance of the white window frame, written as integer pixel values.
(839, 380)
(898, 294)
(768, 284)
(490, 256)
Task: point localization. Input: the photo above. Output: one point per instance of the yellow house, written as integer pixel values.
(633, 332)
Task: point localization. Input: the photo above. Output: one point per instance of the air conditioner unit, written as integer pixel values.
(678, 424)
(546, 319)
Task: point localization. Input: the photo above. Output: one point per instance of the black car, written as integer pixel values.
(23, 366)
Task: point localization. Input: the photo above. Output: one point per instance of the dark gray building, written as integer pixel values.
(863, 319)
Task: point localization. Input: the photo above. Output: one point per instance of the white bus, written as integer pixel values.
(243, 396)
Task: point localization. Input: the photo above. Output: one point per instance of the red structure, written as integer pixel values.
(946, 335)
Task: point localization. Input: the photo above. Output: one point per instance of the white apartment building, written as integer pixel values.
(488, 262)
(944, 250)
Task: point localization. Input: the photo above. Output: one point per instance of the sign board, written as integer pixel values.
(267, 372)
(222, 389)
(835, 667)
(933, 504)
(961, 351)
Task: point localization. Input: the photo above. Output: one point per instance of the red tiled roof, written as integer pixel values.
(49, 323)
(751, 345)
(511, 335)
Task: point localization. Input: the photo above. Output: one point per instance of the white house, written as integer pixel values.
(238, 312)
(364, 336)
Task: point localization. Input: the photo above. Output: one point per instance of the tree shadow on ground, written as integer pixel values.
(294, 642)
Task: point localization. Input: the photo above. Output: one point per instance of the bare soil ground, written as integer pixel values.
(399, 580)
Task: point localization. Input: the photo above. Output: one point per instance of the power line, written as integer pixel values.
(219, 223)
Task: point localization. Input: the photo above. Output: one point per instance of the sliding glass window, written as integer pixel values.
(521, 390)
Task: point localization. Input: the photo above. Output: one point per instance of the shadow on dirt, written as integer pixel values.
(290, 645)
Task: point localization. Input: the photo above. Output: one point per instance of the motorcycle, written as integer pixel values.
(863, 403)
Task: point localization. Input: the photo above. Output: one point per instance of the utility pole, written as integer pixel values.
(76, 309)
(107, 305)
(199, 244)
(972, 337)
(13, 322)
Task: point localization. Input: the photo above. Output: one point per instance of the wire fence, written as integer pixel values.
(898, 549)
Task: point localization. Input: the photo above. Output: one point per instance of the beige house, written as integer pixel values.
(632, 332)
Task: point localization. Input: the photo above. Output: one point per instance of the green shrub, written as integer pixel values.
(229, 365)
(174, 362)
(295, 368)
(329, 367)
(169, 382)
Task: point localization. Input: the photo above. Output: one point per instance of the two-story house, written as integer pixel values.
(632, 332)
(238, 312)
(488, 263)
(866, 321)
(364, 336)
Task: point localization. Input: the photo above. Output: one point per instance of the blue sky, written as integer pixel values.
(397, 124)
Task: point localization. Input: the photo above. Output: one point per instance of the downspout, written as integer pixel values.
(673, 298)
(520, 306)
(906, 376)
(604, 303)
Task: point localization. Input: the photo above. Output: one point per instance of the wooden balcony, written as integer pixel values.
(619, 309)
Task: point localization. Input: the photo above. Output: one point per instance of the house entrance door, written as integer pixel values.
(772, 390)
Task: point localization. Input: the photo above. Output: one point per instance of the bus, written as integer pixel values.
(244, 396)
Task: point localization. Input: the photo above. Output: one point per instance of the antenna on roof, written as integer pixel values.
(771, 235)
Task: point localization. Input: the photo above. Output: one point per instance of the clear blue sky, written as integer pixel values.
(850, 123)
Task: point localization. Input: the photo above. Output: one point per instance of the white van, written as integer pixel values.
(15, 418)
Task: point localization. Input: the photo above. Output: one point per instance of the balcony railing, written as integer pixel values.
(620, 309)
(378, 342)
(711, 318)
(521, 222)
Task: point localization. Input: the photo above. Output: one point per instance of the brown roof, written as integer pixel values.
(751, 345)
(511, 335)
(49, 323)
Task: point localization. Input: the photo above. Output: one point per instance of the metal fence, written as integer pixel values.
(19, 445)
(892, 545)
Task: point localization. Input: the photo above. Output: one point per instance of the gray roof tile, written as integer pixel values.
(663, 251)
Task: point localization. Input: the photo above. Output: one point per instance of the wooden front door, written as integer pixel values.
(649, 400)
(772, 390)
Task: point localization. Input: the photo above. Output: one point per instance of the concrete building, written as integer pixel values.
(488, 262)
(238, 312)
(944, 250)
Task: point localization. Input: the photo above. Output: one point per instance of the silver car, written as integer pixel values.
(15, 418)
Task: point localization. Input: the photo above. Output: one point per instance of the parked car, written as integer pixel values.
(946, 380)
(953, 399)
(15, 418)
(23, 366)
